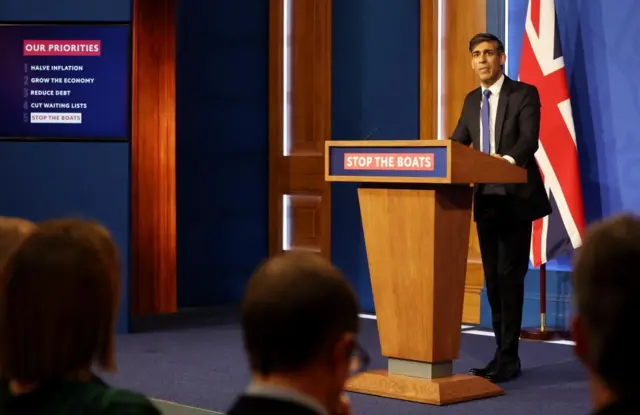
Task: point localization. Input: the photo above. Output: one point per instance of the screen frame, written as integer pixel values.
(129, 125)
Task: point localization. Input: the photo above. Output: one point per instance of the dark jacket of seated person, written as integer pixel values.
(249, 405)
(74, 397)
(58, 306)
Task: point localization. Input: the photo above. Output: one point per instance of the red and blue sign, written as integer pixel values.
(427, 162)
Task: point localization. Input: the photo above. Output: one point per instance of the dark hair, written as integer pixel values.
(486, 37)
(606, 284)
(58, 302)
(295, 306)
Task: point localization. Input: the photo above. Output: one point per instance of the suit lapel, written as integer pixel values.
(474, 115)
(502, 110)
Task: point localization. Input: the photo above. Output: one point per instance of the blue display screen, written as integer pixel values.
(65, 82)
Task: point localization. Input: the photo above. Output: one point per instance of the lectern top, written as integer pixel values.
(389, 143)
(415, 161)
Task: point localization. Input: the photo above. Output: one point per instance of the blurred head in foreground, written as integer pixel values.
(58, 303)
(300, 321)
(606, 285)
(12, 232)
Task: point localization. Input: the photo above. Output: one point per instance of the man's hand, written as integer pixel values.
(508, 159)
(505, 158)
(344, 406)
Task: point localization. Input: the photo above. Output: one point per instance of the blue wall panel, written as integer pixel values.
(222, 142)
(87, 180)
(495, 18)
(65, 10)
(375, 95)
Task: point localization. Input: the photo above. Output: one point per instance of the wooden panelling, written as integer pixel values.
(417, 268)
(153, 173)
(429, 70)
(305, 212)
(299, 124)
(461, 20)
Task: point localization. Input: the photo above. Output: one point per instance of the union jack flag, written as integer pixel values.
(542, 65)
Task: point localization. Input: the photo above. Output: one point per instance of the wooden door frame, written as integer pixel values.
(445, 79)
(276, 121)
(299, 177)
(153, 169)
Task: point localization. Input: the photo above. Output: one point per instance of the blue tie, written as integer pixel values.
(486, 132)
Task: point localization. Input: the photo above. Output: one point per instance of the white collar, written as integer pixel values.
(496, 87)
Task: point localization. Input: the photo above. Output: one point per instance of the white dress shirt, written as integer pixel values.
(494, 98)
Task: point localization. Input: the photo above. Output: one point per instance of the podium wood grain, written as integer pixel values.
(420, 286)
(443, 391)
(416, 230)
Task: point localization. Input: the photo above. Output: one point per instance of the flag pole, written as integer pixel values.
(543, 297)
(543, 332)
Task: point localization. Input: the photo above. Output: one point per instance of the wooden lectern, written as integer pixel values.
(415, 203)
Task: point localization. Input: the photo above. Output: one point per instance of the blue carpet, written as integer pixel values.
(203, 365)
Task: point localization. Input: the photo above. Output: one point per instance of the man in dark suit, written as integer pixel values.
(502, 118)
(299, 322)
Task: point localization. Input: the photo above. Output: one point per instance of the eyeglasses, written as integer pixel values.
(359, 360)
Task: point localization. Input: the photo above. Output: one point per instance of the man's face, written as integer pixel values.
(581, 339)
(487, 62)
(335, 368)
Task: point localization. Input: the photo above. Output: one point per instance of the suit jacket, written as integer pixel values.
(517, 129)
(261, 405)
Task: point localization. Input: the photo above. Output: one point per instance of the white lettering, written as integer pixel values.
(359, 161)
(34, 48)
(73, 48)
(52, 105)
(415, 162)
(78, 80)
(76, 68)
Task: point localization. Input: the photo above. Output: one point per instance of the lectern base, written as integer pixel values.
(441, 391)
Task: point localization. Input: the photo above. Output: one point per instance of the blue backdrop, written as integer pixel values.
(375, 95)
(65, 11)
(87, 180)
(91, 180)
(221, 149)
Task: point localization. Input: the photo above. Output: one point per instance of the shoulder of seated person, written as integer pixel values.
(125, 402)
